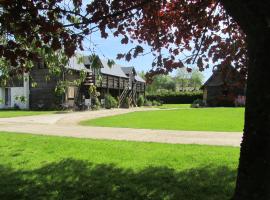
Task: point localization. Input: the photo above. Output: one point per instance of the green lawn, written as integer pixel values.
(18, 113)
(168, 106)
(42, 167)
(199, 119)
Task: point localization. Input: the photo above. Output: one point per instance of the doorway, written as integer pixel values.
(7, 97)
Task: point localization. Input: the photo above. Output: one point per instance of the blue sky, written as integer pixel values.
(110, 47)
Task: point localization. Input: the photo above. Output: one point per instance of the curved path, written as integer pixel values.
(66, 124)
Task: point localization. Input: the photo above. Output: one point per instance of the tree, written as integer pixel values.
(253, 172)
(196, 79)
(182, 78)
(161, 83)
(191, 80)
(228, 32)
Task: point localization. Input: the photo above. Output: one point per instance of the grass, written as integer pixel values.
(204, 119)
(168, 106)
(42, 167)
(19, 113)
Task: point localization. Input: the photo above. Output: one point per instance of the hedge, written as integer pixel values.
(176, 98)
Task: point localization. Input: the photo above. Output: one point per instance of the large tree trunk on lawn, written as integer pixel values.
(253, 181)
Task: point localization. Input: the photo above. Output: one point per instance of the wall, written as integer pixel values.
(15, 92)
(42, 91)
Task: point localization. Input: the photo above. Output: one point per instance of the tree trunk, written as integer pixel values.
(253, 181)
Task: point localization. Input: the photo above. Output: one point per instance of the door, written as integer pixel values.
(7, 97)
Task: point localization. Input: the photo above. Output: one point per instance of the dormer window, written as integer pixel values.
(87, 66)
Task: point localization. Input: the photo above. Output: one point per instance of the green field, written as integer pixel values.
(168, 106)
(42, 167)
(199, 119)
(19, 113)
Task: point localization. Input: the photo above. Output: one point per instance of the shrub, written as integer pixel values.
(110, 102)
(176, 97)
(140, 101)
(240, 101)
(197, 103)
(148, 103)
(126, 103)
(95, 104)
(156, 103)
(21, 99)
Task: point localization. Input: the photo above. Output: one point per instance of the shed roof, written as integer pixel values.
(219, 77)
(75, 64)
(114, 70)
(129, 70)
(140, 79)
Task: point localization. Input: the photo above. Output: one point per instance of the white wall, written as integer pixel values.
(15, 92)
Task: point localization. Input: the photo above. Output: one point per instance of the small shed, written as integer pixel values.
(226, 87)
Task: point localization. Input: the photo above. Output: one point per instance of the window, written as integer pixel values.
(7, 96)
(71, 93)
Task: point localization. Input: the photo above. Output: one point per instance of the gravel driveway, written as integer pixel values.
(66, 124)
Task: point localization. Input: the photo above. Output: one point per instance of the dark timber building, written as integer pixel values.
(40, 87)
(225, 87)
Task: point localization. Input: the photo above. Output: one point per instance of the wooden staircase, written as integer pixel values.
(123, 96)
(89, 79)
(132, 95)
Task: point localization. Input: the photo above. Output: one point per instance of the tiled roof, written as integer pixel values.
(75, 64)
(218, 78)
(140, 79)
(128, 70)
(114, 70)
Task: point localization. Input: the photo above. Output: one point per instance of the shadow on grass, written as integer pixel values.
(73, 179)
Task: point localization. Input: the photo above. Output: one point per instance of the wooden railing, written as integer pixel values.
(132, 95)
(123, 95)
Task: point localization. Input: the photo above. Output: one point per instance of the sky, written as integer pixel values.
(110, 47)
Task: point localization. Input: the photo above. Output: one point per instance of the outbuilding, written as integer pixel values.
(226, 87)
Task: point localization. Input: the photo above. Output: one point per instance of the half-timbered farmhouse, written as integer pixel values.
(39, 86)
(226, 87)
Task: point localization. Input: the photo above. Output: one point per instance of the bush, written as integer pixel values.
(148, 103)
(126, 103)
(110, 102)
(95, 104)
(140, 101)
(197, 103)
(156, 103)
(176, 97)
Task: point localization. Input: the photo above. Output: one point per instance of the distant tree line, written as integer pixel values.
(181, 81)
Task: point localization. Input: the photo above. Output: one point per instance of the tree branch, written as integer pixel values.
(204, 32)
